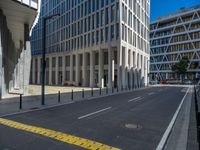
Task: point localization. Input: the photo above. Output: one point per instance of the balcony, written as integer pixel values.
(30, 3)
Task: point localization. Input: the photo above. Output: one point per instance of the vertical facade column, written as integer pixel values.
(111, 67)
(77, 69)
(33, 70)
(71, 68)
(146, 70)
(136, 70)
(63, 69)
(119, 60)
(84, 69)
(56, 69)
(50, 70)
(131, 70)
(140, 71)
(39, 70)
(124, 68)
(1, 69)
(101, 68)
(92, 65)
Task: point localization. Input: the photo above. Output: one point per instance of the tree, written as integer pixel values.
(181, 67)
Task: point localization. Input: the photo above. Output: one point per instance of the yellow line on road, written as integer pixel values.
(66, 138)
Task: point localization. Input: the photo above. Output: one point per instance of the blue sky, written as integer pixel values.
(163, 7)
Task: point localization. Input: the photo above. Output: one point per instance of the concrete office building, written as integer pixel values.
(94, 43)
(16, 19)
(173, 37)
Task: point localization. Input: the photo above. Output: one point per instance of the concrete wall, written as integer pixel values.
(14, 63)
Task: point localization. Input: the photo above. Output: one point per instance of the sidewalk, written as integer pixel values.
(184, 132)
(31, 103)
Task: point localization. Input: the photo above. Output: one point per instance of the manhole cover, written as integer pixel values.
(133, 126)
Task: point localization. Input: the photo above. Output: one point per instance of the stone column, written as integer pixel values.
(71, 68)
(77, 69)
(119, 71)
(92, 65)
(84, 69)
(63, 69)
(101, 68)
(50, 70)
(39, 70)
(131, 69)
(33, 70)
(124, 68)
(56, 69)
(111, 68)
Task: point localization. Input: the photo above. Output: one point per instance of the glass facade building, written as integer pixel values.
(94, 43)
(173, 37)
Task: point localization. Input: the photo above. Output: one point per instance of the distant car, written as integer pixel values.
(188, 82)
(153, 82)
(69, 83)
(163, 82)
(173, 81)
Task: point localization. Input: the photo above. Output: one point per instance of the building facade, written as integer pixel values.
(173, 37)
(94, 43)
(16, 19)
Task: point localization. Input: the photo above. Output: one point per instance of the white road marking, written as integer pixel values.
(151, 93)
(134, 99)
(170, 126)
(90, 114)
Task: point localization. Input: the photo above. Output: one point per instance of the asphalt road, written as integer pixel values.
(128, 121)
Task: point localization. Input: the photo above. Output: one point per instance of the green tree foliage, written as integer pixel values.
(181, 66)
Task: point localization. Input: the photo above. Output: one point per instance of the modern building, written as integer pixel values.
(16, 19)
(94, 43)
(173, 37)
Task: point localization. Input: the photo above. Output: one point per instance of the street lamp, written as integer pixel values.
(44, 55)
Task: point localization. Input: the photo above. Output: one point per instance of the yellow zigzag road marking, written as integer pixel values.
(70, 139)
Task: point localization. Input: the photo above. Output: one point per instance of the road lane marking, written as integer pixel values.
(96, 112)
(59, 136)
(134, 99)
(152, 93)
(171, 124)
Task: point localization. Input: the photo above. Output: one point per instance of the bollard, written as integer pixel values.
(92, 92)
(72, 95)
(58, 96)
(106, 90)
(83, 95)
(122, 88)
(117, 89)
(112, 90)
(100, 91)
(20, 101)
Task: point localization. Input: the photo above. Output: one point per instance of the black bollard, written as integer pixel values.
(20, 101)
(92, 92)
(106, 90)
(58, 96)
(83, 95)
(72, 95)
(100, 91)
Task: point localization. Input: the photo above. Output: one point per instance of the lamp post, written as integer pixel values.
(44, 55)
